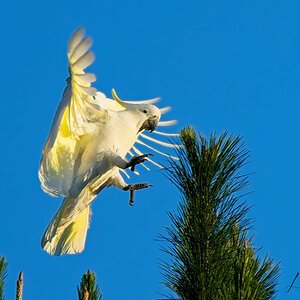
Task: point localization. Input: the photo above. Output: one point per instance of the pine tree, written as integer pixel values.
(211, 253)
(88, 289)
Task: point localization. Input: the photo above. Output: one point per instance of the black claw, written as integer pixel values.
(134, 187)
(126, 188)
(131, 199)
(137, 160)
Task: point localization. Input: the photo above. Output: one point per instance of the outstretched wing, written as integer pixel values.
(76, 116)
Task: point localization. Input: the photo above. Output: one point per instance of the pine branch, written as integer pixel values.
(88, 289)
(85, 293)
(253, 278)
(19, 291)
(3, 272)
(206, 241)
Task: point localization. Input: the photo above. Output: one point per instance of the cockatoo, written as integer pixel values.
(87, 146)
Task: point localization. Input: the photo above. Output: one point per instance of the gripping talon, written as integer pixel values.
(134, 187)
(137, 160)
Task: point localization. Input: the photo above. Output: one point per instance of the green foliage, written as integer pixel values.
(88, 289)
(210, 255)
(253, 278)
(3, 268)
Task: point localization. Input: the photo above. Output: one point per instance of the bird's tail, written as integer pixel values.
(67, 231)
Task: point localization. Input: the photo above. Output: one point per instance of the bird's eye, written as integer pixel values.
(145, 111)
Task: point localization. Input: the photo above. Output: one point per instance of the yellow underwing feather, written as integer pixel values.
(77, 114)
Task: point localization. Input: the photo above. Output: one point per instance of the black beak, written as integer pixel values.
(150, 124)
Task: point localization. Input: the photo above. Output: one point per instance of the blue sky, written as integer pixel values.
(222, 66)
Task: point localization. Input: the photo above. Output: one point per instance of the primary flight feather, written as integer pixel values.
(87, 146)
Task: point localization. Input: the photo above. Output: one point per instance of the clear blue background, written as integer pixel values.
(232, 66)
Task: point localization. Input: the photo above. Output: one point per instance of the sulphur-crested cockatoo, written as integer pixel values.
(87, 146)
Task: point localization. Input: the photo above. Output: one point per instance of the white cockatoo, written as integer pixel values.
(87, 146)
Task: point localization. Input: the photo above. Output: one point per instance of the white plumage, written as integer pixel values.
(87, 146)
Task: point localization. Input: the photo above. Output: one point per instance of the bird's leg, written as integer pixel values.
(133, 187)
(135, 160)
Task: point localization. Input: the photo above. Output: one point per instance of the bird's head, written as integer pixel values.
(152, 114)
(147, 114)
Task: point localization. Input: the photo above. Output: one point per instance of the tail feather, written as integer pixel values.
(66, 233)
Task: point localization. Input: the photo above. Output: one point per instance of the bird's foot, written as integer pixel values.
(134, 187)
(135, 160)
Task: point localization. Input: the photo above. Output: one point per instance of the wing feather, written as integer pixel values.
(155, 150)
(85, 78)
(82, 48)
(76, 39)
(76, 115)
(84, 61)
(166, 134)
(167, 123)
(164, 110)
(168, 145)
